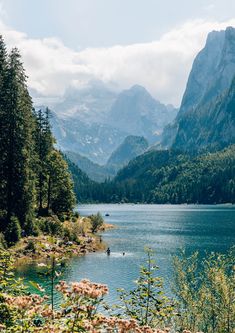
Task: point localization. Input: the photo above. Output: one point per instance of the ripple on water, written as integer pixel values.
(164, 228)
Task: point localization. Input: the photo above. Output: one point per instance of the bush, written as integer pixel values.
(31, 228)
(205, 289)
(30, 246)
(72, 231)
(76, 214)
(3, 243)
(51, 226)
(13, 231)
(96, 222)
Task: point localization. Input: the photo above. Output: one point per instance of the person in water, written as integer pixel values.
(108, 251)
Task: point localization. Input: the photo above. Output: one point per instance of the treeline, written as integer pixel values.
(172, 177)
(34, 179)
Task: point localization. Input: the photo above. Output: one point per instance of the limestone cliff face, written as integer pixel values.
(211, 126)
(206, 115)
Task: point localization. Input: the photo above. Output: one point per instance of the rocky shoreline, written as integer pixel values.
(43, 247)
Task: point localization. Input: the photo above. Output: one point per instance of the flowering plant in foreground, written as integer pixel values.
(147, 309)
(79, 313)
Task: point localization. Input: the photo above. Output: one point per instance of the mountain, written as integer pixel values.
(92, 140)
(89, 104)
(136, 112)
(209, 89)
(95, 120)
(84, 187)
(209, 127)
(131, 147)
(171, 177)
(93, 170)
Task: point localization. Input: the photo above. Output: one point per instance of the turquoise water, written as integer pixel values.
(164, 228)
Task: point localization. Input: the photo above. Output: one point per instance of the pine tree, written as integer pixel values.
(60, 195)
(4, 139)
(19, 148)
(43, 148)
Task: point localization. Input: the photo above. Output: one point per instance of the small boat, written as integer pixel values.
(107, 214)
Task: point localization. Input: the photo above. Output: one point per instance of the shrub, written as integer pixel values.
(96, 222)
(146, 303)
(13, 231)
(205, 289)
(76, 214)
(3, 243)
(51, 226)
(31, 228)
(73, 230)
(30, 246)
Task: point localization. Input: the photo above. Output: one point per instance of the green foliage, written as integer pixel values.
(147, 303)
(13, 231)
(6, 315)
(8, 283)
(60, 189)
(30, 246)
(33, 175)
(96, 222)
(171, 177)
(85, 189)
(51, 225)
(205, 290)
(3, 243)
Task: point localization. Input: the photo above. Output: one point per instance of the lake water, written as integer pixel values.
(164, 228)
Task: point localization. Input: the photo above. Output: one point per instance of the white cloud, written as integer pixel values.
(161, 66)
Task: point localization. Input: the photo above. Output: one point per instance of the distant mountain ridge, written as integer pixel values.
(136, 112)
(92, 140)
(93, 122)
(131, 147)
(94, 171)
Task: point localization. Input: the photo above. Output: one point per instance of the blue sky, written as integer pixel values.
(69, 43)
(104, 23)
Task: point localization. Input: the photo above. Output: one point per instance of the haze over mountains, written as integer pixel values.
(102, 130)
(94, 121)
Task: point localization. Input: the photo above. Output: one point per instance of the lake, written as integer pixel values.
(164, 228)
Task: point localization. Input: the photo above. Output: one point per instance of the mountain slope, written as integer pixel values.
(93, 170)
(209, 127)
(171, 177)
(94, 121)
(210, 83)
(84, 187)
(89, 104)
(95, 141)
(136, 112)
(131, 147)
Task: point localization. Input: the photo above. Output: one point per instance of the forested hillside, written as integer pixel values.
(172, 177)
(34, 178)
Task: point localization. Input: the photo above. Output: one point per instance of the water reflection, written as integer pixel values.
(164, 228)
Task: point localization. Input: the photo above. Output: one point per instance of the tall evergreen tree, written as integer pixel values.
(19, 149)
(60, 195)
(43, 148)
(4, 139)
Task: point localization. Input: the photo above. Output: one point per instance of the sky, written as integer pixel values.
(69, 43)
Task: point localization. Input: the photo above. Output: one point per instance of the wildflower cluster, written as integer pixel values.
(145, 310)
(78, 313)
